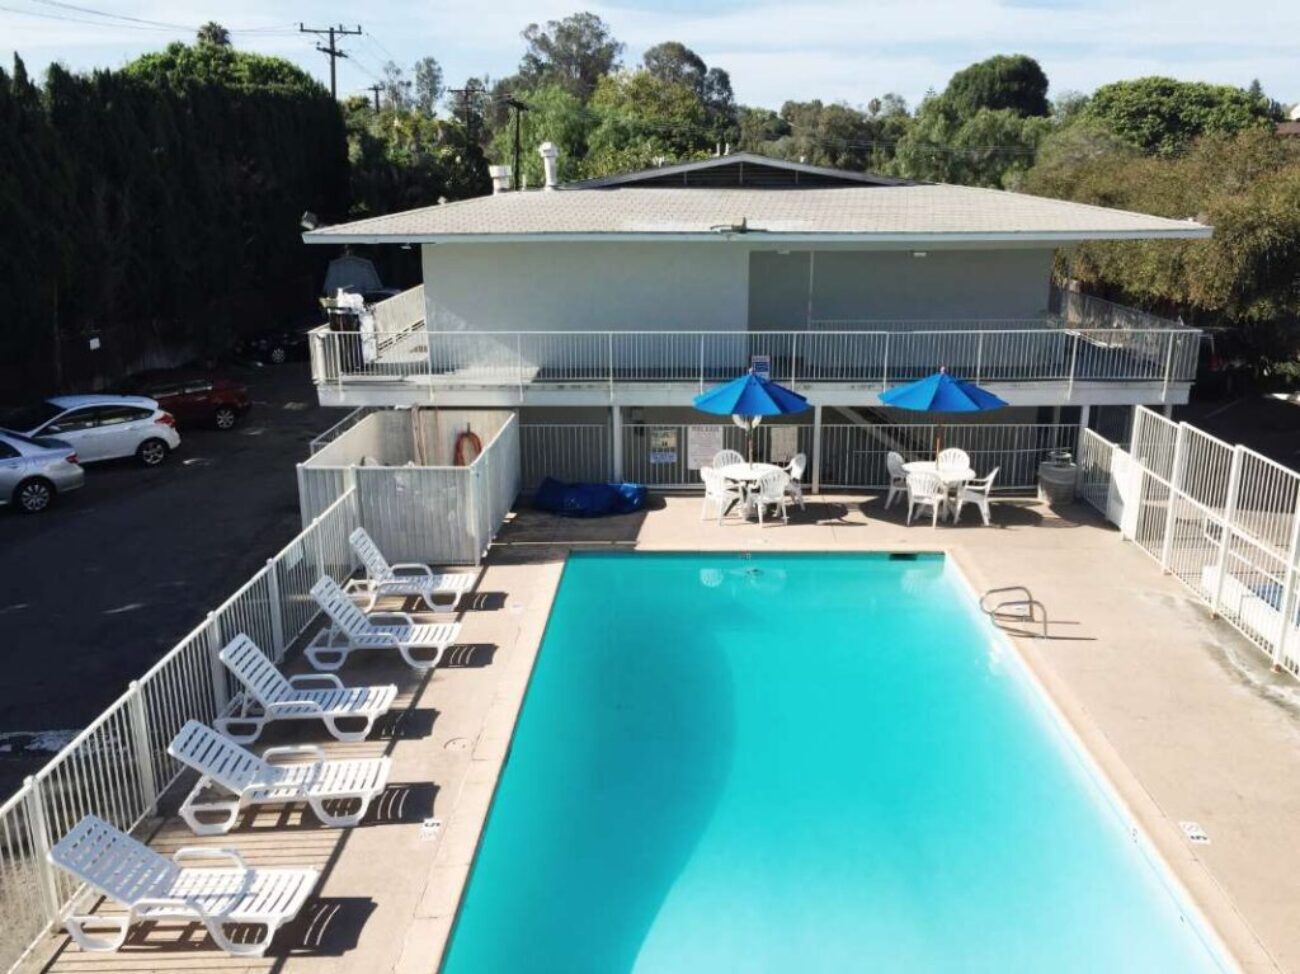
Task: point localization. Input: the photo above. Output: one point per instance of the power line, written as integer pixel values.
(138, 23)
(332, 51)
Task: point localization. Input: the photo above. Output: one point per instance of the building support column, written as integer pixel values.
(616, 441)
(1085, 414)
(1169, 410)
(817, 450)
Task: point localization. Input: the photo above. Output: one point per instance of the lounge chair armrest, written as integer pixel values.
(295, 750)
(282, 706)
(411, 568)
(208, 852)
(403, 618)
(299, 679)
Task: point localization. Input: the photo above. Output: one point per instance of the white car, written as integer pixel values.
(101, 427)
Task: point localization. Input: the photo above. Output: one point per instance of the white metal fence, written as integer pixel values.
(1034, 351)
(322, 440)
(118, 766)
(849, 456)
(1223, 519)
(418, 512)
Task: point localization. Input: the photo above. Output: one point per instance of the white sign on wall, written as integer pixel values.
(703, 443)
(762, 365)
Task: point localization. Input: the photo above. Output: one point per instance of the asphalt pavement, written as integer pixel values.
(98, 588)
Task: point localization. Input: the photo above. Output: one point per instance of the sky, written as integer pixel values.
(836, 50)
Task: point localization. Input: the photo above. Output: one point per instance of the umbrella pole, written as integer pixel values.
(938, 439)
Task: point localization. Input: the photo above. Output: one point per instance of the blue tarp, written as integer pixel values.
(589, 500)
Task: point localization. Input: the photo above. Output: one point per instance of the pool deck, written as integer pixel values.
(1178, 710)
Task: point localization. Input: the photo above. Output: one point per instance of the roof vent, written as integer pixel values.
(500, 179)
(550, 159)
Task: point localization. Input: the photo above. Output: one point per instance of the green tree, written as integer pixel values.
(428, 84)
(1006, 81)
(554, 115)
(989, 148)
(642, 120)
(1164, 116)
(574, 53)
(213, 33)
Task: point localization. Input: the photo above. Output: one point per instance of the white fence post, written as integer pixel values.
(817, 450)
(143, 752)
(277, 608)
(39, 832)
(616, 431)
(1229, 514)
(1288, 590)
(220, 692)
(1174, 489)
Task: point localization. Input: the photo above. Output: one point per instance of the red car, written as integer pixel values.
(193, 398)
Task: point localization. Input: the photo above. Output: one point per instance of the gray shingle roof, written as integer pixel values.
(885, 213)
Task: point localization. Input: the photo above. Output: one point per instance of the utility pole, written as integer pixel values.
(467, 103)
(332, 51)
(518, 107)
(376, 88)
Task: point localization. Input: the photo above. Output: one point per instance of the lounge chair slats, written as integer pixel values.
(270, 696)
(438, 590)
(351, 629)
(155, 888)
(253, 780)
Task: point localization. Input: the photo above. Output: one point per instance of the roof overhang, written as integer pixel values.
(1046, 238)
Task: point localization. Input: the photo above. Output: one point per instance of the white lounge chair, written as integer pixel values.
(897, 477)
(725, 458)
(797, 466)
(720, 492)
(264, 781)
(405, 578)
(154, 888)
(351, 629)
(269, 696)
(925, 489)
(770, 490)
(976, 492)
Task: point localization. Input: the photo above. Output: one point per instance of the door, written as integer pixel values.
(78, 428)
(117, 431)
(12, 464)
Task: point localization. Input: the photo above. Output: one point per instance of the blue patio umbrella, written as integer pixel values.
(941, 393)
(747, 400)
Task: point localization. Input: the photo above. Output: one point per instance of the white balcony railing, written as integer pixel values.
(1039, 350)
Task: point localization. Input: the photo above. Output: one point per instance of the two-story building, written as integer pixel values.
(598, 309)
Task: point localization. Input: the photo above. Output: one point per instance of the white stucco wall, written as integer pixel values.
(561, 286)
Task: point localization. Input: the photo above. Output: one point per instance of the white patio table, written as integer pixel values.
(953, 479)
(746, 474)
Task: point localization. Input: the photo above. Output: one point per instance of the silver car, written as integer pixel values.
(35, 471)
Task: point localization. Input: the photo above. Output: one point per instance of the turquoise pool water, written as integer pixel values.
(799, 763)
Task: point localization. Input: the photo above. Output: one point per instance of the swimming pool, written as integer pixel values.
(802, 763)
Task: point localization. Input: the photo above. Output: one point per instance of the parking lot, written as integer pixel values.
(96, 589)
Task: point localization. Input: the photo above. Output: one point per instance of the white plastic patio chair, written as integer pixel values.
(925, 489)
(952, 460)
(253, 780)
(720, 492)
(269, 696)
(405, 578)
(153, 887)
(351, 629)
(725, 458)
(798, 464)
(771, 490)
(976, 492)
(897, 476)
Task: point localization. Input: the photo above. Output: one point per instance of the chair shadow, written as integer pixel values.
(468, 656)
(482, 602)
(405, 725)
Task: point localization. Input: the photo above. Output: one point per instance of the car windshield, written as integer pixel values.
(29, 417)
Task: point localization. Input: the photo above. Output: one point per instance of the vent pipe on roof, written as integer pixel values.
(500, 179)
(550, 162)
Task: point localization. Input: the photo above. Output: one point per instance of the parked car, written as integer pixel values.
(100, 427)
(194, 398)
(34, 472)
(274, 346)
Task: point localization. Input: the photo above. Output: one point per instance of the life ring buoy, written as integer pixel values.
(463, 456)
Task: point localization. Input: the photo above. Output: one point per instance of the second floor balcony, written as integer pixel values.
(1087, 342)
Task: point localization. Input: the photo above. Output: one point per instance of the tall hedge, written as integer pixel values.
(156, 206)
